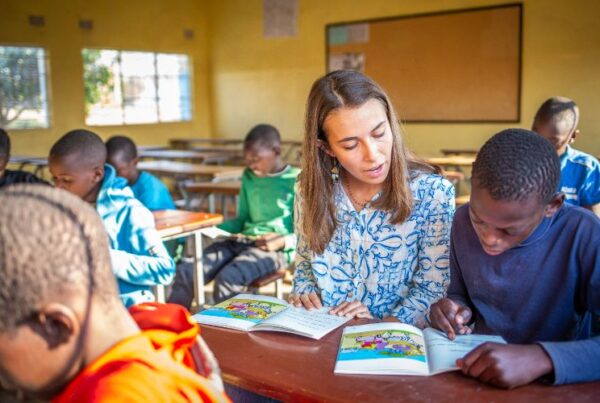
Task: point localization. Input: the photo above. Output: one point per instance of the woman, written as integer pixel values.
(373, 221)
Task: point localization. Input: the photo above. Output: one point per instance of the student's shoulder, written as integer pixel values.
(577, 218)
(583, 159)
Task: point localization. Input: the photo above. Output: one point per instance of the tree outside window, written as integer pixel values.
(129, 87)
(23, 92)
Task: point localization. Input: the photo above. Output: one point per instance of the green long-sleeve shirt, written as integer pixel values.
(266, 204)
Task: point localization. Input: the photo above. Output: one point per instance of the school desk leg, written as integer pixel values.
(198, 270)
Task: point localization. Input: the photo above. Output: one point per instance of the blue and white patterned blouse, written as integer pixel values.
(397, 270)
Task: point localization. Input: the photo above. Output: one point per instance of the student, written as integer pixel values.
(66, 335)
(556, 121)
(7, 176)
(147, 188)
(374, 221)
(265, 215)
(524, 266)
(139, 258)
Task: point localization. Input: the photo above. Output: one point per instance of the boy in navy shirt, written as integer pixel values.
(525, 266)
(556, 121)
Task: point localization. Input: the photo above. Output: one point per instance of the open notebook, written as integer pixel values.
(260, 312)
(401, 349)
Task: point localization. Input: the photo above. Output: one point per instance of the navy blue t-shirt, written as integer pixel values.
(537, 292)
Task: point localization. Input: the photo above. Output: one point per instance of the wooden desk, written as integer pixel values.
(186, 143)
(38, 163)
(230, 188)
(173, 224)
(459, 151)
(184, 170)
(293, 368)
(452, 161)
(187, 155)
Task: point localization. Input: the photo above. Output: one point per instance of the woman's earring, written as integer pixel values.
(335, 171)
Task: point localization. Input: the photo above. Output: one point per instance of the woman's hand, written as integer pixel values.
(352, 310)
(308, 301)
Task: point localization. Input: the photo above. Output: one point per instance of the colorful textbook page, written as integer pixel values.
(400, 349)
(260, 312)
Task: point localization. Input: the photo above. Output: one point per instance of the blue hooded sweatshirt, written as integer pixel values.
(138, 256)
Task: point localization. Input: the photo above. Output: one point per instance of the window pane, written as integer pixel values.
(23, 92)
(102, 82)
(173, 87)
(141, 87)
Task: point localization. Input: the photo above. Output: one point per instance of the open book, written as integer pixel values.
(260, 312)
(400, 349)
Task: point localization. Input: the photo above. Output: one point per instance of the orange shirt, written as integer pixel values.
(147, 367)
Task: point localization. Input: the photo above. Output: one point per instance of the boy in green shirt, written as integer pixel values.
(265, 224)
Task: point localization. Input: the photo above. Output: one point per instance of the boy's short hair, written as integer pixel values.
(123, 145)
(83, 142)
(262, 135)
(516, 163)
(51, 244)
(4, 145)
(559, 108)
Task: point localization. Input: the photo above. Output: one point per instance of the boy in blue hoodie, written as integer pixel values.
(147, 188)
(139, 258)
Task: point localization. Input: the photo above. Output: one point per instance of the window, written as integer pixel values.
(23, 93)
(127, 87)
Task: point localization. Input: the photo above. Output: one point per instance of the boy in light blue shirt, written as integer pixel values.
(147, 188)
(556, 121)
(139, 258)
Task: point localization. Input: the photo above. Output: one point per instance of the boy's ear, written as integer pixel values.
(55, 323)
(98, 173)
(276, 149)
(554, 204)
(325, 147)
(135, 161)
(575, 134)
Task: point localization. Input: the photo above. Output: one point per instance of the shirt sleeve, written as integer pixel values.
(144, 260)
(236, 225)
(431, 277)
(590, 194)
(579, 360)
(304, 278)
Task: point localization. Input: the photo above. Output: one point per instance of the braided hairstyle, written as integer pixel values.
(515, 164)
(51, 244)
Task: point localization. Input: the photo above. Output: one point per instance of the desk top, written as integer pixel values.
(459, 151)
(184, 143)
(177, 222)
(225, 187)
(293, 368)
(184, 169)
(180, 155)
(455, 160)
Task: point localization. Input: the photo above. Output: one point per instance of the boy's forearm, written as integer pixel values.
(574, 361)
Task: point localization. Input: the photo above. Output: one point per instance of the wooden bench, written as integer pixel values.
(267, 279)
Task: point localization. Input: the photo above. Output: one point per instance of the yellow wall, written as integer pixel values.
(256, 79)
(240, 78)
(131, 24)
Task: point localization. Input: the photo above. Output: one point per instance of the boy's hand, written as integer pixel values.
(506, 365)
(351, 310)
(308, 301)
(270, 242)
(450, 317)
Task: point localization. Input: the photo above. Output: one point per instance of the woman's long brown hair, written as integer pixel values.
(347, 89)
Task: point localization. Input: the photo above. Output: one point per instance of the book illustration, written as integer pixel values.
(245, 309)
(382, 344)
